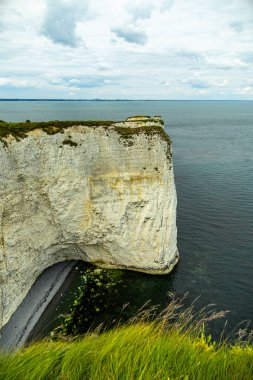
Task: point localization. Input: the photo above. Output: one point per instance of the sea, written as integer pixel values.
(213, 166)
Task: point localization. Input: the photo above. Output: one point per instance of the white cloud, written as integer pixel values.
(18, 82)
(227, 63)
(142, 49)
(142, 9)
(244, 90)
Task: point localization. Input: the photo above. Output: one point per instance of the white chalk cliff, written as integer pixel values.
(104, 194)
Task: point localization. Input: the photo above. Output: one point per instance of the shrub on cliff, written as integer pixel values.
(96, 303)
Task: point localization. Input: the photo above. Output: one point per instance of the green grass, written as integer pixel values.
(172, 346)
(127, 135)
(19, 130)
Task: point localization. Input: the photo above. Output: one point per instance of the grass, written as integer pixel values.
(19, 130)
(146, 119)
(127, 135)
(173, 346)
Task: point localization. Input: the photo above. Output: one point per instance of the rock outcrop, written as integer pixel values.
(104, 194)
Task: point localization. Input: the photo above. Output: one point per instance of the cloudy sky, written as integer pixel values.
(142, 49)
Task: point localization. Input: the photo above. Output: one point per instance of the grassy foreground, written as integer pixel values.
(173, 346)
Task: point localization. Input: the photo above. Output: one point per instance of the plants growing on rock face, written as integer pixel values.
(69, 142)
(52, 127)
(127, 135)
(96, 302)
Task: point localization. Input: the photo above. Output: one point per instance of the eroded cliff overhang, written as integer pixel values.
(98, 191)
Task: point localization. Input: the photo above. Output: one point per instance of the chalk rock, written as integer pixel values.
(104, 194)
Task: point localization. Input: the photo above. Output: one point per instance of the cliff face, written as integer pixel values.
(103, 194)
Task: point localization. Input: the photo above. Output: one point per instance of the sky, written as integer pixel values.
(125, 49)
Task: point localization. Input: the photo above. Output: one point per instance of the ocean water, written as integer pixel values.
(213, 165)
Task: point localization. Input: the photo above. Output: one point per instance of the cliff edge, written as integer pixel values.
(102, 192)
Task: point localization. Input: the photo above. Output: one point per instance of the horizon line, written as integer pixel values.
(118, 100)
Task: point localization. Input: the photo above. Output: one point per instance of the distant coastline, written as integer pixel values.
(123, 100)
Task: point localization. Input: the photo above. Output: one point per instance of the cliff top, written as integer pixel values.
(131, 126)
(20, 129)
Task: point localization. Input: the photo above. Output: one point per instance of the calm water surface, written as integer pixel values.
(213, 164)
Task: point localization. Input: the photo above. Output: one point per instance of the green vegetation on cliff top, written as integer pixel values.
(50, 127)
(20, 130)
